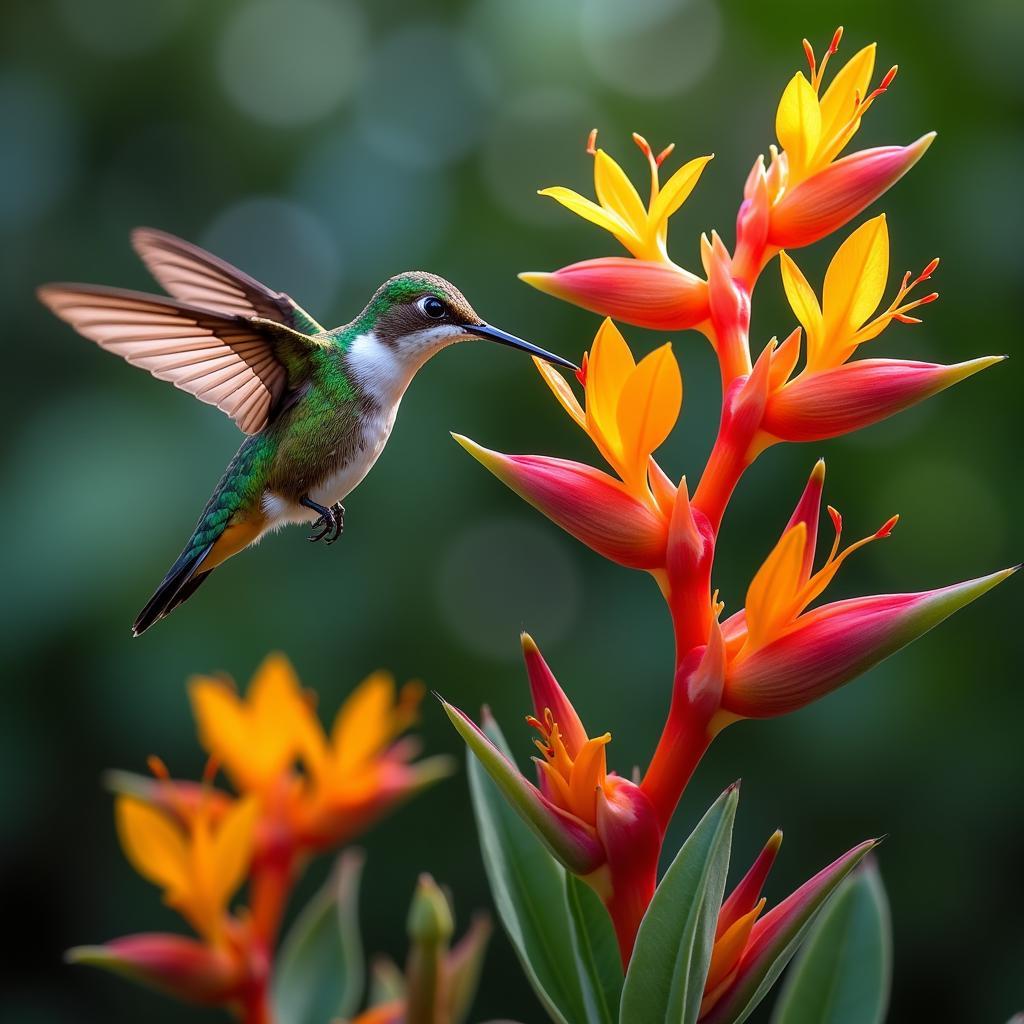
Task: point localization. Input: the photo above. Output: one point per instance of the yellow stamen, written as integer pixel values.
(573, 783)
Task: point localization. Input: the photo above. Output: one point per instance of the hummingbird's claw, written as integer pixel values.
(330, 524)
(339, 522)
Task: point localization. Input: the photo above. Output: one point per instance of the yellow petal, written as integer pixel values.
(804, 304)
(840, 99)
(798, 125)
(609, 364)
(855, 281)
(677, 189)
(153, 844)
(589, 210)
(364, 724)
(771, 594)
(221, 719)
(231, 851)
(562, 391)
(615, 192)
(648, 408)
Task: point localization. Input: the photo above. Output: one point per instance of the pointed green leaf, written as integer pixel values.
(842, 973)
(528, 886)
(597, 952)
(319, 972)
(665, 980)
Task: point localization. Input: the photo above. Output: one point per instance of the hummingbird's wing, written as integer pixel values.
(240, 364)
(197, 276)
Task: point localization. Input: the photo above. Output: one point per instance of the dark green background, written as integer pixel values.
(324, 152)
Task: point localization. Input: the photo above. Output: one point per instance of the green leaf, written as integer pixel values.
(528, 886)
(597, 952)
(842, 973)
(319, 973)
(665, 980)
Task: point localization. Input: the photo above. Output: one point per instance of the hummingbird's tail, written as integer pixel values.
(181, 582)
(230, 522)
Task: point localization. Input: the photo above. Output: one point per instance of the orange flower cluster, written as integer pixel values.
(298, 791)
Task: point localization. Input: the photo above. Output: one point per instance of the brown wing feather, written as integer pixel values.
(222, 359)
(198, 277)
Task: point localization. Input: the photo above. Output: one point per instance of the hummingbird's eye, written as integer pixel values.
(433, 307)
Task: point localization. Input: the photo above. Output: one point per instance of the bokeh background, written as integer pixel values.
(326, 144)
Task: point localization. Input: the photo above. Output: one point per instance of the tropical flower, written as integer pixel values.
(810, 193)
(348, 778)
(748, 941)
(830, 395)
(643, 230)
(199, 860)
(599, 825)
(779, 657)
(302, 792)
(630, 409)
(199, 865)
(648, 290)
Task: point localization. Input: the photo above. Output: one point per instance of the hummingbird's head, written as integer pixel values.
(416, 314)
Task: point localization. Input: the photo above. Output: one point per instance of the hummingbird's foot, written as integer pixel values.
(331, 521)
(338, 511)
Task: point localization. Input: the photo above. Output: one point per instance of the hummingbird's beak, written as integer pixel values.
(494, 334)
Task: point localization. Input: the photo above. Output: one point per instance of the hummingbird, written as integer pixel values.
(317, 405)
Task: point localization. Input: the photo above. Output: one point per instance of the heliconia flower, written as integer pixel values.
(643, 230)
(750, 943)
(198, 865)
(591, 505)
(648, 290)
(834, 196)
(810, 193)
(255, 738)
(736, 921)
(659, 296)
(630, 409)
(180, 966)
(600, 826)
(351, 777)
(781, 657)
(831, 396)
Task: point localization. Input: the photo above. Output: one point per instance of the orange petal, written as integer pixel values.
(648, 408)
(772, 591)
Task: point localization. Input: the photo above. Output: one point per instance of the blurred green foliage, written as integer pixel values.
(326, 144)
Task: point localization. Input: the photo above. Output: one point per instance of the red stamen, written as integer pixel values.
(581, 373)
(837, 519)
(644, 145)
(834, 45)
(664, 154)
(887, 527)
(904, 319)
(928, 271)
(210, 770)
(809, 53)
(592, 142)
(928, 298)
(158, 768)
